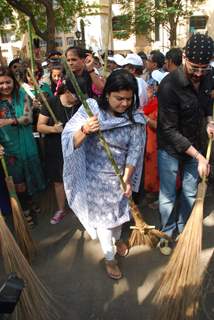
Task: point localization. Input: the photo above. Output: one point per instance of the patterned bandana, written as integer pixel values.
(199, 49)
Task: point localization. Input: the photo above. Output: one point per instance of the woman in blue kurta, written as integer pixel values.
(16, 136)
(92, 187)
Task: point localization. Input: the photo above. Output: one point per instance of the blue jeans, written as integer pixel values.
(168, 169)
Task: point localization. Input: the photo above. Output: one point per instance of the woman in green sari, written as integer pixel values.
(17, 138)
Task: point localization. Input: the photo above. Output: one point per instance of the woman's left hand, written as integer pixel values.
(128, 191)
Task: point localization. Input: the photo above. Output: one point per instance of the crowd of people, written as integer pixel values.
(154, 111)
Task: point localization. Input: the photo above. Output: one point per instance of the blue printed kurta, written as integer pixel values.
(92, 187)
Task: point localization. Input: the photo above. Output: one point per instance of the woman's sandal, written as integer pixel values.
(122, 248)
(113, 270)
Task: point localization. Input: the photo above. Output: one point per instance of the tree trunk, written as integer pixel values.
(49, 34)
(173, 36)
(51, 27)
(173, 31)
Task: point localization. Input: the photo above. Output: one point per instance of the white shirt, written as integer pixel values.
(142, 88)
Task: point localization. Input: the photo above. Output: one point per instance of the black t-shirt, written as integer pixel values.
(63, 115)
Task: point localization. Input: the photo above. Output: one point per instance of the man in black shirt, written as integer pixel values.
(184, 102)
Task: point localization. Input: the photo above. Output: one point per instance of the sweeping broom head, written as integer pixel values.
(178, 290)
(36, 302)
(142, 232)
(24, 238)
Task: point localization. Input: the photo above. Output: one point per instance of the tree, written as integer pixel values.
(147, 15)
(45, 15)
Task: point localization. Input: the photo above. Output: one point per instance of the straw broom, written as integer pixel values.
(36, 302)
(178, 294)
(25, 240)
(142, 233)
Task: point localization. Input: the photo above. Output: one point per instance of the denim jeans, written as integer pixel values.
(168, 169)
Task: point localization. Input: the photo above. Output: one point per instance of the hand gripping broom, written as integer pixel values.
(178, 293)
(142, 233)
(24, 238)
(36, 302)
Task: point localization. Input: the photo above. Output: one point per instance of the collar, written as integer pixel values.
(181, 77)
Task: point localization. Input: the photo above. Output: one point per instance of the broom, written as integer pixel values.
(25, 240)
(178, 293)
(142, 233)
(35, 302)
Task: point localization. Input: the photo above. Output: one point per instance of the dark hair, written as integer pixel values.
(38, 66)
(158, 57)
(138, 70)
(79, 52)
(16, 60)
(53, 53)
(62, 89)
(175, 55)
(5, 71)
(142, 55)
(118, 80)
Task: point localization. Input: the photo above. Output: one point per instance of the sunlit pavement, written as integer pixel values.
(71, 265)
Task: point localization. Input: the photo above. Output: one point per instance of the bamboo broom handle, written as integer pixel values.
(43, 97)
(90, 114)
(30, 40)
(4, 166)
(209, 147)
(134, 210)
(108, 36)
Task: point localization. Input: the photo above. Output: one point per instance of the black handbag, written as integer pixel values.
(10, 293)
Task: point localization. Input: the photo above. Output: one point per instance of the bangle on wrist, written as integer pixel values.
(90, 71)
(15, 122)
(196, 155)
(86, 132)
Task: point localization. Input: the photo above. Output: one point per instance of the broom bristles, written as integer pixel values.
(35, 302)
(143, 233)
(24, 238)
(178, 293)
(26, 243)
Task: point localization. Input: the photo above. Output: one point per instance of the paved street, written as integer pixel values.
(72, 266)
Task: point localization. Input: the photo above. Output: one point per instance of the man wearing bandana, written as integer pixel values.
(184, 104)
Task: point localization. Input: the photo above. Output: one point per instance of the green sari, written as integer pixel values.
(20, 147)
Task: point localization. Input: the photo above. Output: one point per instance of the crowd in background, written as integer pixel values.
(31, 140)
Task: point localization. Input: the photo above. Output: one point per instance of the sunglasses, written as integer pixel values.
(194, 68)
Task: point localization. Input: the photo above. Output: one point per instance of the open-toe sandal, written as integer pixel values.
(113, 270)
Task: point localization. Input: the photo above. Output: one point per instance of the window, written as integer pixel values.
(70, 41)
(198, 22)
(121, 26)
(58, 42)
